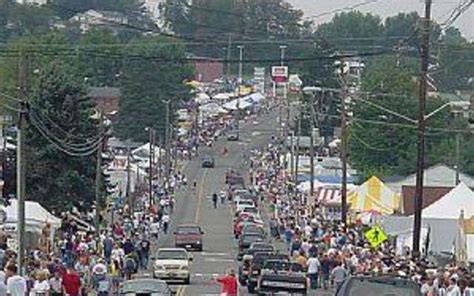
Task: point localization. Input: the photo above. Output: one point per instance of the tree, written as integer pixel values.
(382, 142)
(54, 178)
(352, 30)
(455, 56)
(150, 76)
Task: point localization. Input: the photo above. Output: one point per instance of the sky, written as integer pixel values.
(440, 10)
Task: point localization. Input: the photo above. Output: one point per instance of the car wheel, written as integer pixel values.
(199, 248)
(187, 281)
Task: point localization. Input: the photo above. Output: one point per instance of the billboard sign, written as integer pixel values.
(280, 73)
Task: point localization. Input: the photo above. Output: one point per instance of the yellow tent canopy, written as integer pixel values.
(374, 195)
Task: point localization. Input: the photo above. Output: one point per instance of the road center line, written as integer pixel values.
(198, 208)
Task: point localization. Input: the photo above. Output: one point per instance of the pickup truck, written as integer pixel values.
(279, 276)
(188, 236)
(256, 264)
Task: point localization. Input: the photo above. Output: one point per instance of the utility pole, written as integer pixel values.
(151, 160)
(229, 53)
(298, 135)
(20, 161)
(167, 141)
(128, 194)
(160, 162)
(458, 160)
(241, 58)
(311, 150)
(98, 174)
(424, 55)
(343, 150)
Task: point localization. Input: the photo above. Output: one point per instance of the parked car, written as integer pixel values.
(172, 264)
(188, 236)
(233, 136)
(208, 161)
(144, 287)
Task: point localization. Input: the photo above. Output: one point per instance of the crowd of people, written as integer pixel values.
(331, 251)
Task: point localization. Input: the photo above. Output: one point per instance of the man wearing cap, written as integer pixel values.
(229, 284)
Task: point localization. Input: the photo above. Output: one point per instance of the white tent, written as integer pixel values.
(221, 96)
(212, 108)
(36, 216)
(232, 105)
(142, 153)
(202, 98)
(451, 205)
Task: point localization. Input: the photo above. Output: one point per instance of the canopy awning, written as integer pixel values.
(374, 195)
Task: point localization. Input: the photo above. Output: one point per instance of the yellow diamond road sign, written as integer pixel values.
(375, 236)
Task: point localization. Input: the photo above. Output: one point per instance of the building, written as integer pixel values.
(208, 69)
(92, 18)
(106, 99)
(439, 175)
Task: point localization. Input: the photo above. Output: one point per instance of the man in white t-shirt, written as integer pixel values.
(313, 271)
(16, 285)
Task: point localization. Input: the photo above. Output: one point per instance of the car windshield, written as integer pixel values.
(251, 238)
(277, 265)
(245, 202)
(376, 287)
(250, 210)
(144, 286)
(188, 230)
(172, 254)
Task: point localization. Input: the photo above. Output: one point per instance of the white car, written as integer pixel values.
(172, 264)
(244, 203)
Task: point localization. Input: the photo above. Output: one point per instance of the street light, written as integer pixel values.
(151, 139)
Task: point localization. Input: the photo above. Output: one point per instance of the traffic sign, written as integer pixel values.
(375, 236)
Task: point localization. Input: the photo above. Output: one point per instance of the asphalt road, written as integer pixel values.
(195, 206)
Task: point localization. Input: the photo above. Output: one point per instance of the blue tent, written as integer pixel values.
(325, 179)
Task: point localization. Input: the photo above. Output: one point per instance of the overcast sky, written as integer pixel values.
(440, 10)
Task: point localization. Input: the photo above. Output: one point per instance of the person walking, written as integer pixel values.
(165, 221)
(228, 283)
(71, 282)
(313, 271)
(16, 284)
(214, 200)
(339, 274)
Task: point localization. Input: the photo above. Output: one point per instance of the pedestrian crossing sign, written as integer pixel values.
(375, 236)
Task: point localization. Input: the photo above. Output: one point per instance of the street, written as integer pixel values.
(219, 247)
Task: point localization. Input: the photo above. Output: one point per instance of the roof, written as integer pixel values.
(430, 195)
(439, 175)
(104, 92)
(461, 198)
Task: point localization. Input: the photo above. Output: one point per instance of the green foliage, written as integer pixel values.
(349, 30)
(389, 146)
(455, 56)
(53, 178)
(146, 83)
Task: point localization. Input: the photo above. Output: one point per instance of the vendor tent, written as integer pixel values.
(237, 104)
(202, 98)
(461, 198)
(36, 217)
(222, 96)
(374, 195)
